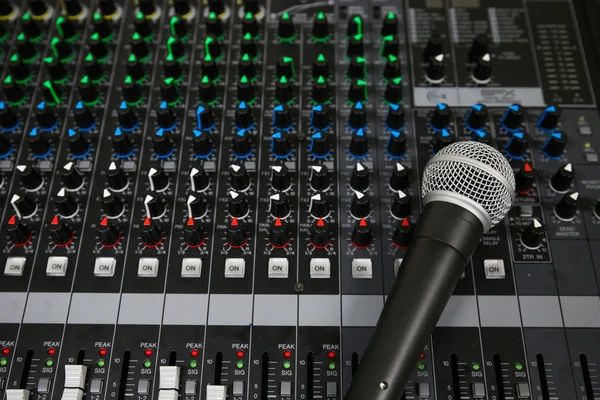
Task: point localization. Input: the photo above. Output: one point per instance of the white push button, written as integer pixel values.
(320, 268)
(494, 269)
(191, 267)
(278, 267)
(148, 267)
(235, 268)
(362, 268)
(105, 267)
(14, 266)
(57, 266)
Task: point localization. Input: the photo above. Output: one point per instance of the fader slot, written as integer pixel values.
(264, 377)
(124, 373)
(499, 377)
(26, 369)
(218, 368)
(310, 376)
(543, 378)
(455, 375)
(587, 378)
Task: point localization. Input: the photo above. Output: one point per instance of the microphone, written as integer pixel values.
(467, 188)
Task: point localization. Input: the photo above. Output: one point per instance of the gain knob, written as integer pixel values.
(555, 145)
(402, 233)
(151, 234)
(563, 178)
(280, 178)
(237, 235)
(549, 119)
(362, 234)
(513, 118)
(567, 206)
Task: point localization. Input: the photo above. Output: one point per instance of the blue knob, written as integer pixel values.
(205, 118)
(319, 118)
(319, 145)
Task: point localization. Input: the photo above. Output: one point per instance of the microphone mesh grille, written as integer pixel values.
(469, 180)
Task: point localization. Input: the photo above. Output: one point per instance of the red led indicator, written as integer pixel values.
(102, 352)
(320, 222)
(12, 220)
(148, 352)
(147, 222)
(527, 167)
(363, 222)
(104, 222)
(240, 353)
(190, 222)
(51, 351)
(55, 220)
(331, 354)
(422, 356)
(194, 353)
(5, 350)
(405, 222)
(287, 354)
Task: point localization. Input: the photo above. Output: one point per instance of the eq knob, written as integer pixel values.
(237, 235)
(435, 46)
(38, 8)
(237, 205)
(202, 144)
(512, 118)
(132, 93)
(214, 26)
(390, 46)
(396, 145)
(359, 146)
(100, 24)
(158, 179)
(111, 204)
(321, 93)
(142, 26)
(285, 28)
(65, 203)
(320, 147)
(319, 118)
(25, 48)
(320, 28)
(567, 206)
(162, 145)
(62, 49)
(210, 69)
(6, 148)
(479, 47)
(279, 236)
(243, 116)
(280, 145)
(18, 233)
(24, 206)
(441, 117)
(392, 68)
(13, 92)
(196, 207)
(390, 25)
(482, 71)
(247, 67)
(319, 234)
(250, 25)
(355, 26)
(135, 69)
(393, 91)
(78, 144)
(172, 70)
(19, 70)
(84, 119)
(549, 119)
(362, 234)
(71, 177)
(98, 49)
(73, 8)
(116, 178)
(108, 234)
(285, 67)
(242, 147)
(61, 233)
(45, 117)
(148, 8)
(402, 233)
(193, 234)
(282, 117)
(533, 235)
(359, 180)
(319, 177)
(435, 70)
(39, 144)
(199, 180)
(280, 178)
(151, 234)
(249, 47)
(9, 121)
(360, 206)
(517, 145)
(155, 206)
(30, 177)
(525, 179)
(555, 144)
(357, 68)
(399, 178)
(279, 206)
(205, 118)
(395, 119)
(284, 93)
(401, 207)
(245, 90)
(240, 180)
(319, 206)
(207, 92)
(178, 25)
(357, 92)
(176, 48)
(320, 67)
(477, 117)
(217, 7)
(108, 8)
(139, 47)
(563, 178)
(165, 117)
(122, 144)
(358, 117)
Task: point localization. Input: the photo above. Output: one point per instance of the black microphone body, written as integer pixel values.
(444, 240)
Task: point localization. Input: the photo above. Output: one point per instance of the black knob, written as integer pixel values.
(6, 148)
(210, 68)
(98, 48)
(562, 179)
(116, 178)
(362, 234)
(19, 70)
(320, 91)
(549, 119)
(72, 8)
(435, 46)
(84, 119)
(24, 206)
(108, 234)
(122, 143)
(390, 25)
(142, 26)
(165, 117)
(319, 234)
(477, 117)
(214, 26)
(393, 91)
(237, 235)
(139, 47)
(390, 46)
(479, 48)
(199, 180)
(555, 144)
(78, 144)
(513, 118)
(249, 25)
(101, 26)
(107, 8)
(279, 207)
(279, 236)
(163, 147)
(357, 91)
(65, 204)
(280, 178)
(399, 178)
(396, 145)
(355, 26)
(567, 206)
(320, 28)
(360, 178)
(357, 68)
(207, 91)
(395, 117)
(285, 29)
(242, 146)
(216, 6)
(517, 145)
(39, 144)
(245, 90)
(282, 117)
(356, 46)
(440, 119)
(319, 206)
(280, 145)
(26, 49)
(482, 72)
(359, 145)
(132, 93)
(158, 179)
(134, 68)
(243, 116)
(88, 92)
(18, 233)
(401, 207)
(13, 91)
(181, 7)
(93, 69)
(172, 69)
(147, 7)
(177, 49)
(61, 48)
(435, 70)
(9, 121)
(248, 46)
(320, 118)
(402, 233)
(196, 207)
(169, 91)
(284, 92)
(155, 206)
(193, 234)
(285, 67)
(203, 146)
(51, 93)
(320, 67)
(360, 206)
(597, 209)
(31, 179)
(127, 119)
(56, 69)
(442, 139)
(392, 68)
(240, 180)
(358, 116)
(112, 204)
(237, 205)
(247, 67)
(38, 8)
(319, 177)
(151, 234)
(71, 177)
(525, 179)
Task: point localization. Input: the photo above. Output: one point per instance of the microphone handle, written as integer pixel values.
(444, 240)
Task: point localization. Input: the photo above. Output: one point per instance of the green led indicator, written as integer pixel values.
(239, 364)
(49, 362)
(358, 21)
(244, 79)
(320, 15)
(421, 366)
(55, 97)
(193, 364)
(397, 80)
(100, 363)
(331, 365)
(147, 363)
(212, 15)
(519, 367)
(391, 16)
(97, 17)
(3, 362)
(476, 367)
(249, 15)
(287, 364)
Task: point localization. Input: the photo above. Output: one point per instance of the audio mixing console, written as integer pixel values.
(210, 199)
